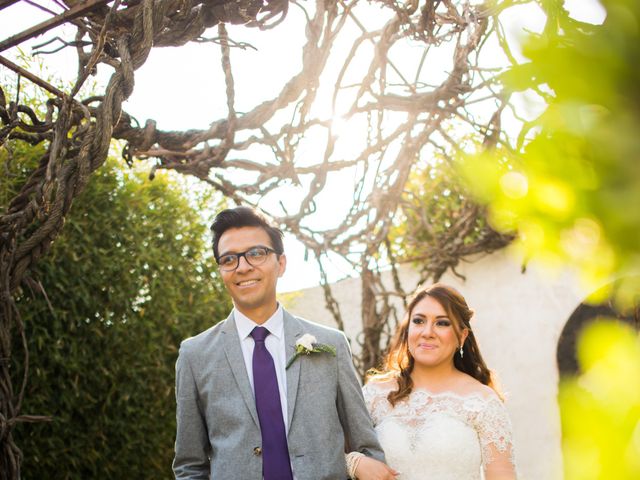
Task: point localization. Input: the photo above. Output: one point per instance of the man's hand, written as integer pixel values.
(372, 469)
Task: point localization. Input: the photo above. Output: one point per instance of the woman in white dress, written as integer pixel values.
(435, 406)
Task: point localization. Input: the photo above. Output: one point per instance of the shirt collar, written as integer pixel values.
(275, 323)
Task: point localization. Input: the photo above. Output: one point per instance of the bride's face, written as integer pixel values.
(432, 337)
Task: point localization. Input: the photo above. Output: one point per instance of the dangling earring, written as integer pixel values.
(461, 352)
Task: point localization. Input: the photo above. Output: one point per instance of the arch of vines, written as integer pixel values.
(409, 121)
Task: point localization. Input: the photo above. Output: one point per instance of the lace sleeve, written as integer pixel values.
(375, 397)
(494, 430)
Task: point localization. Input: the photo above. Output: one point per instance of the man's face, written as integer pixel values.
(252, 288)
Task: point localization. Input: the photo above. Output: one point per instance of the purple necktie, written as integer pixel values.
(275, 453)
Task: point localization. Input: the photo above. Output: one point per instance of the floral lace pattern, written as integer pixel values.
(441, 436)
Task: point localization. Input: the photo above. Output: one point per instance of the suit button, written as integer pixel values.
(257, 451)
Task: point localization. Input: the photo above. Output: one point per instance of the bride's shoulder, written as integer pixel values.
(469, 386)
(380, 384)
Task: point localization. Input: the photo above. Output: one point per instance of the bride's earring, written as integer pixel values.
(461, 352)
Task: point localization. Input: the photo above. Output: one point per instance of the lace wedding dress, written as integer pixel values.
(442, 436)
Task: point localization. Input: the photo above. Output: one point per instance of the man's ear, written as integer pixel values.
(282, 261)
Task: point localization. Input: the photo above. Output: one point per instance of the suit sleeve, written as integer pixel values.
(360, 435)
(192, 448)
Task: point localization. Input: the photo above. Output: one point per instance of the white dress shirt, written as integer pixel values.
(275, 346)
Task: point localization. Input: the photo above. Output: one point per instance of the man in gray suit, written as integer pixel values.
(242, 412)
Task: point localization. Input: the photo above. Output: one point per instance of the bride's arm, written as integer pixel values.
(361, 467)
(500, 465)
(494, 431)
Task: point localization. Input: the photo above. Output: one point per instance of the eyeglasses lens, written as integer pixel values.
(255, 256)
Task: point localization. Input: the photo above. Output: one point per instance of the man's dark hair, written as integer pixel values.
(244, 217)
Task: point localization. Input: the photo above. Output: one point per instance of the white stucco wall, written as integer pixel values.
(519, 318)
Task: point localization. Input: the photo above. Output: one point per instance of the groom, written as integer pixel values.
(242, 414)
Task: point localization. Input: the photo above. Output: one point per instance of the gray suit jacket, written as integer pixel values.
(218, 434)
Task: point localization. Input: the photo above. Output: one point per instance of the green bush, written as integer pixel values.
(129, 278)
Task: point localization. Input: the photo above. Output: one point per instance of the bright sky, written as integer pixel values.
(183, 87)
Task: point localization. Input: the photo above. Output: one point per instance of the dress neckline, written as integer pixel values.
(450, 393)
(417, 391)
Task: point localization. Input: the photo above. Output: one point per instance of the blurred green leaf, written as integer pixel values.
(601, 408)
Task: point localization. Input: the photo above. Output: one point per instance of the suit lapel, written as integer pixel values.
(292, 331)
(233, 351)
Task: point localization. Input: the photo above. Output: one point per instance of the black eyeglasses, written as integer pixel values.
(254, 256)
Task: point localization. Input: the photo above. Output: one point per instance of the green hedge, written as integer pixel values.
(128, 279)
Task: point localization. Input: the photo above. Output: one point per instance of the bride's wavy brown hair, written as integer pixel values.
(398, 363)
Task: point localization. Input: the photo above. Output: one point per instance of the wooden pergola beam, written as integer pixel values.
(34, 78)
(77, 11)
(6, 3)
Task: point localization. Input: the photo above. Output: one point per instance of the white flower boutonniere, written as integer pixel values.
(308, 344)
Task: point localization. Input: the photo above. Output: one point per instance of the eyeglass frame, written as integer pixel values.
(239, 255)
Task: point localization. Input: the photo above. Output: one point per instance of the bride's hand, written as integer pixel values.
(371, 469)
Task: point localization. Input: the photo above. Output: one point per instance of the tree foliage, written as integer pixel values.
(129, 278)
(439, 222)
(571, 187)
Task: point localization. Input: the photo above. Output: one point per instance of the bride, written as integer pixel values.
(435, 407)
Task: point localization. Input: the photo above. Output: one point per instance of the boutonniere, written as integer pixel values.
(308, 344)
